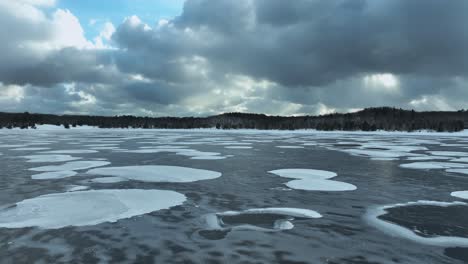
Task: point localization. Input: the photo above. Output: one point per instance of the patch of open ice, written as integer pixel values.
(258, 219)
(86, 208)
(49, 175)
(294, 212)
(461, 171)
(449, 153)
(71, 151)
(49, 158)
(465, 160)
(290, 147)
(429, 158)
(433, 165)
(313, 180)
(109, 180)
(157, 173)
(377, 154)
(208, 157)
(75, 188)
(460, 194)
(29, 149)
(73, 165)
(393, 229)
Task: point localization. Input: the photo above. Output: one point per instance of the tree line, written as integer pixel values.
(369, 119)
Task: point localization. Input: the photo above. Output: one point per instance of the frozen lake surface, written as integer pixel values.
(168, 196)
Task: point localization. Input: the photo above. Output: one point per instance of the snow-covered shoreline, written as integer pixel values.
(463, 133)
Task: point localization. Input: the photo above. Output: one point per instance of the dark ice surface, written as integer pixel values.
(180, 235)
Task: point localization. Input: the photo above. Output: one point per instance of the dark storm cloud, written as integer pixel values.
(312, 53)
(302, 43)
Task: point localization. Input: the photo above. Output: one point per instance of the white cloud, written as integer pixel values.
(104, 37)
(431, 102)
(386, 82)
(68, 31)
(11, 92)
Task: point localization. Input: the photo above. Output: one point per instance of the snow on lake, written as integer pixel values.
(220, 196)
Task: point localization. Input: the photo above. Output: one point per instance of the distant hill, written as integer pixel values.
(370, 119)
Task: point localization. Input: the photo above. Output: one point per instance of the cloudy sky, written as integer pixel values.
(203, 57)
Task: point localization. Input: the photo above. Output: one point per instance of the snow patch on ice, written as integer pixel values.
(75, 188)
(372, 217)
(461, 171)
(86, 208)
(29, 149)
(313, 180)
(108, 180)
(433, 165)
(449, 153)
(71, 151)
(53, 175)
(460, 194)
(73, 165)
(50, 158)
(157, 173)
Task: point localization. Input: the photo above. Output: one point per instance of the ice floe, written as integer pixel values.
(238, 147)
(157, 173)
(50, 158)
(378, 154)
(449, 153)
(71, 151)
(49, 175)
(75, 188)
(463, 160)
(73, 165)
(29, 149)
(460, 194)
(257, 219)
(108, 180)
(290, 147)
(433, 165)
(313, 180)
(86, 208)
(208, 157)
(461, 171)
(394, 229)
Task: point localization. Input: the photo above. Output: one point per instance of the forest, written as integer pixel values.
(369, 119)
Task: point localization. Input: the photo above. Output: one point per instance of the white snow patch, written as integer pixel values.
(86, 208)
(461, 171)
(294, 212)
(465, 160)
(157, 173)
(313, 180)
(75, 188)
(53, 175)
(429, 158)
(73, 165)
(208, 157)
(397, 230)
(238, 147)
(30, 149)
(71, 151)
(449, 153)
(433, 165)
(460, 194)
(49, 158)
(108, 180)
(215, 222)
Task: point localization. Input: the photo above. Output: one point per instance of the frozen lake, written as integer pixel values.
(166, 196)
